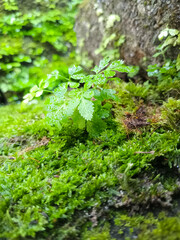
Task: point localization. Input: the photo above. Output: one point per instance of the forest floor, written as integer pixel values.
(63, 184)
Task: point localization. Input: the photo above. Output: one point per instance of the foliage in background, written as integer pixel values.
(33, 36)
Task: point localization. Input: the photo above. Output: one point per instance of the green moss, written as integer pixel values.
(166, 229)
(98, 233)
(171, 113)
(148, 226)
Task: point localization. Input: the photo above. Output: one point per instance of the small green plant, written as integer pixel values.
(168, 73)
(85, 106)
(171, 37)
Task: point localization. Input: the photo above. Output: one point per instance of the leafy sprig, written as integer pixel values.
(81, 98)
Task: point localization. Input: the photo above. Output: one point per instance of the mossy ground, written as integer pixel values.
(62, 184)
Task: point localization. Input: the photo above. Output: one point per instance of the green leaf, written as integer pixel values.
(75, 70)
(163, 33)
(71, 106)
(108, 40)
(111, 20)
(103, 63)
(86, 109)
(74, 84)
(89, 93)
(34, 89)
(61, 90)
(103, 113)
(108, 94)
(109, 73)
(120, 41)
(157, 54)
(87, 85)
(28, 97)
(43, 84)
(78, 76)
(178, 62)
(121, 67)
(168, 41)
(173, 32)
(39, 93)
(99, 79)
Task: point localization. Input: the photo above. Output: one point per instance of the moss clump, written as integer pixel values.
(148, 226)
(166, 229)
(98, 233)
(171, 113)
(65, 175)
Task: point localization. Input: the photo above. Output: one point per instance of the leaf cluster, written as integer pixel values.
(86, 106)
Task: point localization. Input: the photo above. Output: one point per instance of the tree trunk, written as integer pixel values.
(101, 23)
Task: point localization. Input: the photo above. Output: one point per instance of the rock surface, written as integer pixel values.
(140, 21)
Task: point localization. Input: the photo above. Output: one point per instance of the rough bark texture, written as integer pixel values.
(140, 21)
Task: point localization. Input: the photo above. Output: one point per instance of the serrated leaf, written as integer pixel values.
(103, 63)
(86, 109)
(61, 90)
(120, 67)
(74, 93)
(109, 73)
(74, 84)
(99, 79)
(89, 93)
(75, 70)
(71, 106)
(88, 84)
(116, 64)
(78, 76)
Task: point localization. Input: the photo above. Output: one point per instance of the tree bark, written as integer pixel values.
(140, 21)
